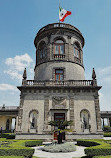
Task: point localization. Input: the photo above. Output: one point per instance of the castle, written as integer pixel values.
(59, 90)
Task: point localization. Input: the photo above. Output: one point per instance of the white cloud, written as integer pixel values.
(19, 62)
(101, 95)
(103, 79)
(14, 74)
(16, 65)
(104, 75)
(104, 71)
(5, 87)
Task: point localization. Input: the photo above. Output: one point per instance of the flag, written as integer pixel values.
(63, 14)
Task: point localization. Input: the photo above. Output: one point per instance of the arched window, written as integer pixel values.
(42, 50)
(59, 47)
(77, 50)
(33, 119)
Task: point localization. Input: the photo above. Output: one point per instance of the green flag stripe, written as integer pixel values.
(60, 8)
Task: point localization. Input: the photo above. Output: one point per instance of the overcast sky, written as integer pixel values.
(20, 20)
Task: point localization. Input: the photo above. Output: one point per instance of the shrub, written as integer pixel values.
(10, 136)
(107, 134)
(65, 147)
(102, 148)
(33, 143)
(107, 128)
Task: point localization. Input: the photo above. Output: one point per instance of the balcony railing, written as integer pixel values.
(79, 83)
(59, 56)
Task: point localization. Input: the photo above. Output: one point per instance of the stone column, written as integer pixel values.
(70, 51)
(110, 121)
(71, 108)
(97, 110)
(46, 112)
(20, 113)
(66, 51)
(103, 122)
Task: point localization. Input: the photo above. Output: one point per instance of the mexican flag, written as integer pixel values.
(63, 14)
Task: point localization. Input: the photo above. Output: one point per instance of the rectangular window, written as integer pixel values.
(59, 74)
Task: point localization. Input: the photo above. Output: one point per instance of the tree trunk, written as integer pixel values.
(60, 138)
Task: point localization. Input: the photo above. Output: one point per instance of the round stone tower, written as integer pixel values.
(59, 54)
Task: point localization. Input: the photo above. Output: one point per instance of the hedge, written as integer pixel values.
(33, 143)
(102, 156)
(107, 128)
(11, 136)
(11, 156)
(86, 143)
(17, 152)
(4, 135)
(7, 135)
(17, 148)
(101, 147)
(107, 134)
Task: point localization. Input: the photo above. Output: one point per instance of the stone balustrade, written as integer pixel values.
(56, 25)
(63, 83)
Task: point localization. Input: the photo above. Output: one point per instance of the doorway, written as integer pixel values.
(59, 116)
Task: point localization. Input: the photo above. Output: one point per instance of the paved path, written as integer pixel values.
(107, 138)
(78, 153)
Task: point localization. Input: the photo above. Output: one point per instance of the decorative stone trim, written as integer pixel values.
(58, 102)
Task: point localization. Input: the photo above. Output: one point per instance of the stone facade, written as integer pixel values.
(59, 87)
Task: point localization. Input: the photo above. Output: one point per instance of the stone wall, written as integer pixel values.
(58, 101)
(45, 71)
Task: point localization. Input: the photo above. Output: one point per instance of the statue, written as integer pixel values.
(33, 122)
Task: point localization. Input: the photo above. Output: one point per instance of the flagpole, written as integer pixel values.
(59, 9)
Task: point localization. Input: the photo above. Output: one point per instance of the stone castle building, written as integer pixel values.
(59, 90)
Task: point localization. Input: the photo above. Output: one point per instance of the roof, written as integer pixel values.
(8, 107)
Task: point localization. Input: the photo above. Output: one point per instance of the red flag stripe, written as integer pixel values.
(68, 13)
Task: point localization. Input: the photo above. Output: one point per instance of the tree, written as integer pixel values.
(61, 128)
